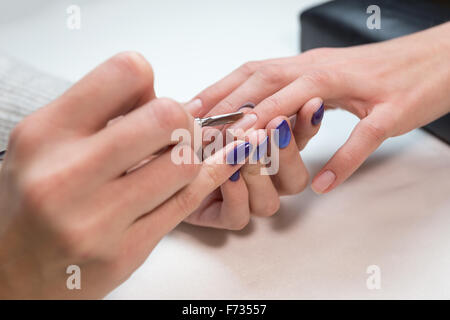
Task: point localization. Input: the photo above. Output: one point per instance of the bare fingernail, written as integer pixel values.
(322, 182)
(194, 107)
(247, 105)
(246, 122)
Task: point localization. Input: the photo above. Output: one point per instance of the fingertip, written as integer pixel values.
(309, 119)
(312, 112)
(323, 182)
(194, 107)
(317, 116)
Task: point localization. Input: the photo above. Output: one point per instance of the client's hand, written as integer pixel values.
(274, 168)
(393, 87)
(67, 196)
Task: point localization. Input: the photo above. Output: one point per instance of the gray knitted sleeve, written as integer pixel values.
(23, 90)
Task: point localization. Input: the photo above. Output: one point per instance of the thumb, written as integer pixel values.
(365, 138)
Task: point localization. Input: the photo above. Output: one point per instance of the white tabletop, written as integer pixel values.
(393, 213)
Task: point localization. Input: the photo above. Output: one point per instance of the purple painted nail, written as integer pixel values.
(318, 115)
(283, 135)
(235, 176)
(239, 153)
(261, 150)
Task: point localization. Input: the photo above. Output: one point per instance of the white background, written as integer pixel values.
(394, 212)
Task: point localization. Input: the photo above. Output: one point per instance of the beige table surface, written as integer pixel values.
(393, 213)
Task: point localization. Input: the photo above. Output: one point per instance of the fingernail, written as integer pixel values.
(261, 149)
(283, 135)
(322, 182)
(235, 176)
(246, 122)
(239, 153)
(194, 106)
(247, 105)
(318, 115)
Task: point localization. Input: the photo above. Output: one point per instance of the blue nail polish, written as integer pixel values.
(239, 153)
(283, 135)
(247, 105)
(318, 115)
(261, 150)
(235, 176)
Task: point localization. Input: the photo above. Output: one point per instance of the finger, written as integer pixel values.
(138, 135)
(267, 80)
(140, 191)
(212, 95)
(287, 101)
(235, 210)
(308, 121)
(263, 197)
(219, 90)
(292, 176)
(194, 107)
(150, 228)
(117, 86)
(230, 212)
(365, 138)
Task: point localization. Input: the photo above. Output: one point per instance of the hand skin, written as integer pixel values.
(253, 194)
(393, 87)
(67, 196)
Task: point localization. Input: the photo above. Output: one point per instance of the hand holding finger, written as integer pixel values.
(308, 121)
(292, 175)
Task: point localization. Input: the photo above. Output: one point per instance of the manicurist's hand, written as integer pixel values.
(393, 87)
(68, 196)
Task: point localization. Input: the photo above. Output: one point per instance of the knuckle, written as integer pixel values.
(251, 170)
(189, 170)
(25, 136)
(316, 77)
(187, 201)
(38, 195)
(75, 241)
(271, 73)
(348, 159)
(44, 193)
(239, 224)
(169, 114)
(374, 131)
(134, 64)
(270, 207)
(213, 176)
(297, 187)
(318, 54)
(250, 67)
(274, 104)
(226, 106)
(273, 207)
(16, 133)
